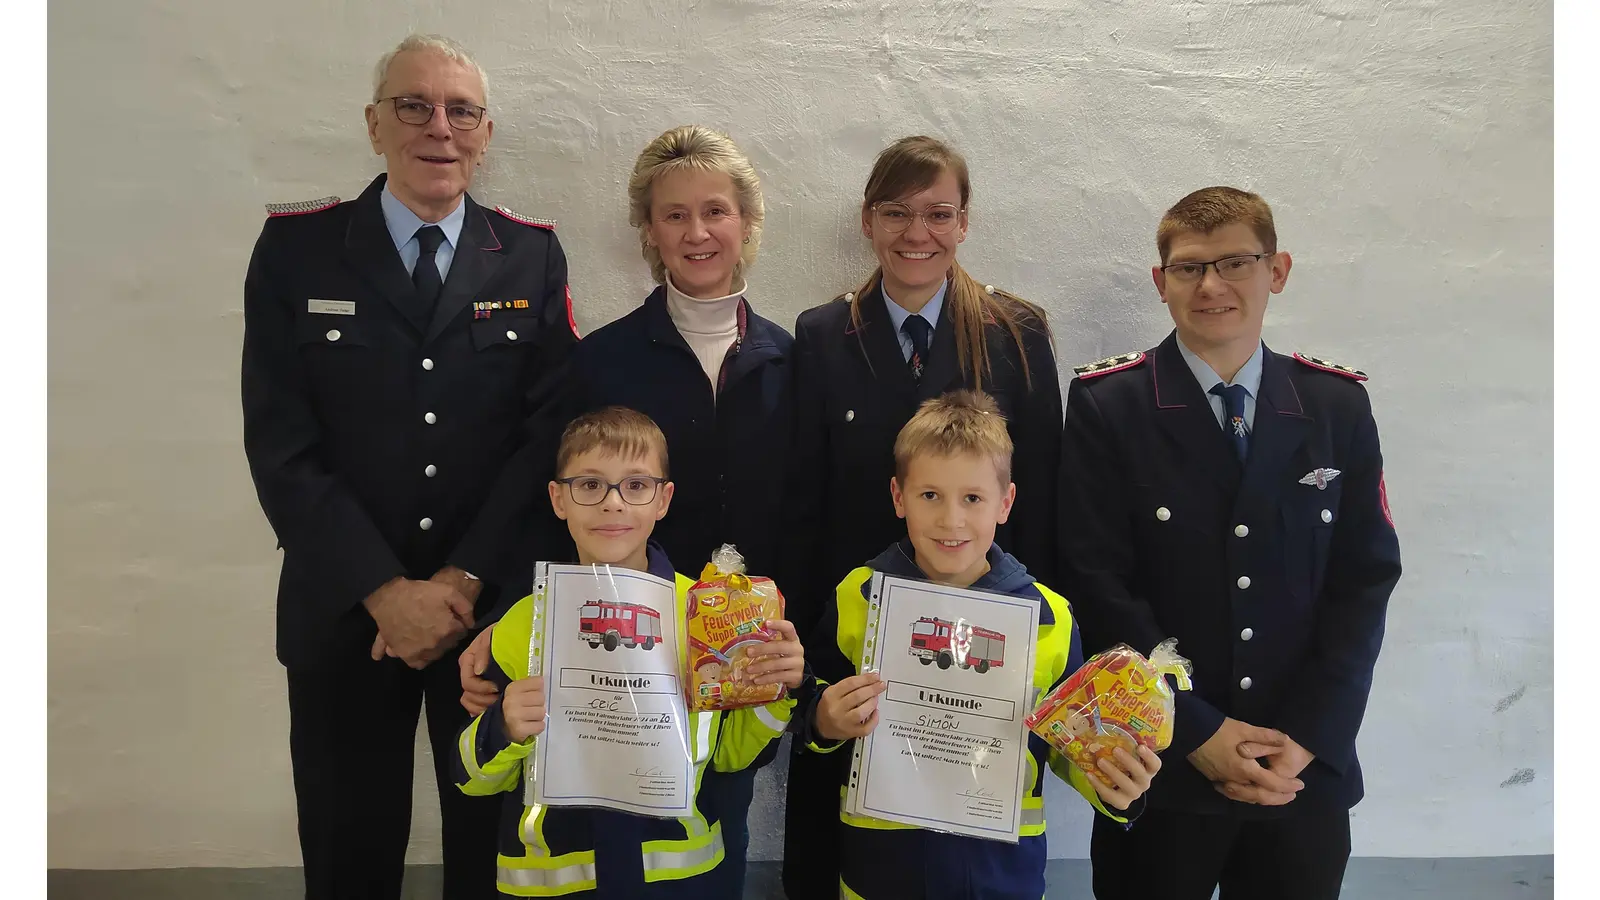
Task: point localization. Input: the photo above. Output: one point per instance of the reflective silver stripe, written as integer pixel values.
(693, 826)
(547, 878)
(702, 736)
(469, 756)
(531, 815)
(1032, 816)
(771, 721)
(657, 860)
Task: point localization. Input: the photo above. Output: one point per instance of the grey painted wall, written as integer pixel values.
(1405, 145)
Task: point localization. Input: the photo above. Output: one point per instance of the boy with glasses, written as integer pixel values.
(611, 488)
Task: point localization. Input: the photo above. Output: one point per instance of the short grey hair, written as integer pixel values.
(436, 43)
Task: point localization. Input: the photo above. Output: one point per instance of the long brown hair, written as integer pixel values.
(913, 164)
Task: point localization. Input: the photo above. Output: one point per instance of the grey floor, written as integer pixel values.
(1475, 878)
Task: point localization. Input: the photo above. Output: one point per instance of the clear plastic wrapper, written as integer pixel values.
(607, 642)
(949, 752)
(1118, 699)
(727, 616)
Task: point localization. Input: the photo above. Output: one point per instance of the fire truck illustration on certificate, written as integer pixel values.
(957, 643)
(612, 624)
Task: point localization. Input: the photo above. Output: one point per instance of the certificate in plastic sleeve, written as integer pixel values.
(950, 749)
(607, 642)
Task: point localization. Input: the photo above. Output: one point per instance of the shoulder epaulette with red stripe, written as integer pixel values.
(526, 220)
(1110, 364)
(1328, 365)
(302, 207)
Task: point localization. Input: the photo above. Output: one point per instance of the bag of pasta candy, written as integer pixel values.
(727, 615)
(1118, 698)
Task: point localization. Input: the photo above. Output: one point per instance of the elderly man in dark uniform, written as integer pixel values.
(399, 354)
(1231, 497)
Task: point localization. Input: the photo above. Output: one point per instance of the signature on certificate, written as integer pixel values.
(656, 781)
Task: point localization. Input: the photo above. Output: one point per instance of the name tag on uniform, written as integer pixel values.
(332, 307)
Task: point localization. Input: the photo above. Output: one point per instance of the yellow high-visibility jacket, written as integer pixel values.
(882, 860)
(557, 851)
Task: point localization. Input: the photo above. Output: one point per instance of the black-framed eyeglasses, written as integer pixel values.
(591, 490)
(938, 218)
(1229, 268)
(461, 116)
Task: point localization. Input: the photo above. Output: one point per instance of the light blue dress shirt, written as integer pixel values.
(1249, 377)
(403, 225)
(898, 315)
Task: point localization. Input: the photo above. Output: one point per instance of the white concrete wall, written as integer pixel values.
(1405, 145)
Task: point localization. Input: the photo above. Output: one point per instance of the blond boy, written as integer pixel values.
(953, 486)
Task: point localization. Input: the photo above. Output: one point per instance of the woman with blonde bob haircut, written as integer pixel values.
(694, 162)
(917, 327)
(697, 360)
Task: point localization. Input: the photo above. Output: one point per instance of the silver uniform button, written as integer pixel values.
(425, 524)
(849, 415)
(511, 335)
(1241, 530)
(1327, 516)
(333, 334)
(430, 418)
(1244, 582)
(431, 470)
(1247, 634)
(428, 364)
(1245, 682)
(1163, 514)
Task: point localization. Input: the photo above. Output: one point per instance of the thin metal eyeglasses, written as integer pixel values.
(461, 116)
(1229, 268)
(938, 218)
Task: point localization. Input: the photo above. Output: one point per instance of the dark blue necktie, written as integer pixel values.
(918, 329)
(1233, 417)
(425, 277)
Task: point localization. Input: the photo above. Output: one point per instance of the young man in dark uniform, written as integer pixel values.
(1231, 497)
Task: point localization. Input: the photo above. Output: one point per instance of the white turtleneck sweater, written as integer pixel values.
(709, 326)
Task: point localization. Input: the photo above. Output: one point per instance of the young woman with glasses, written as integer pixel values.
(917, 327)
